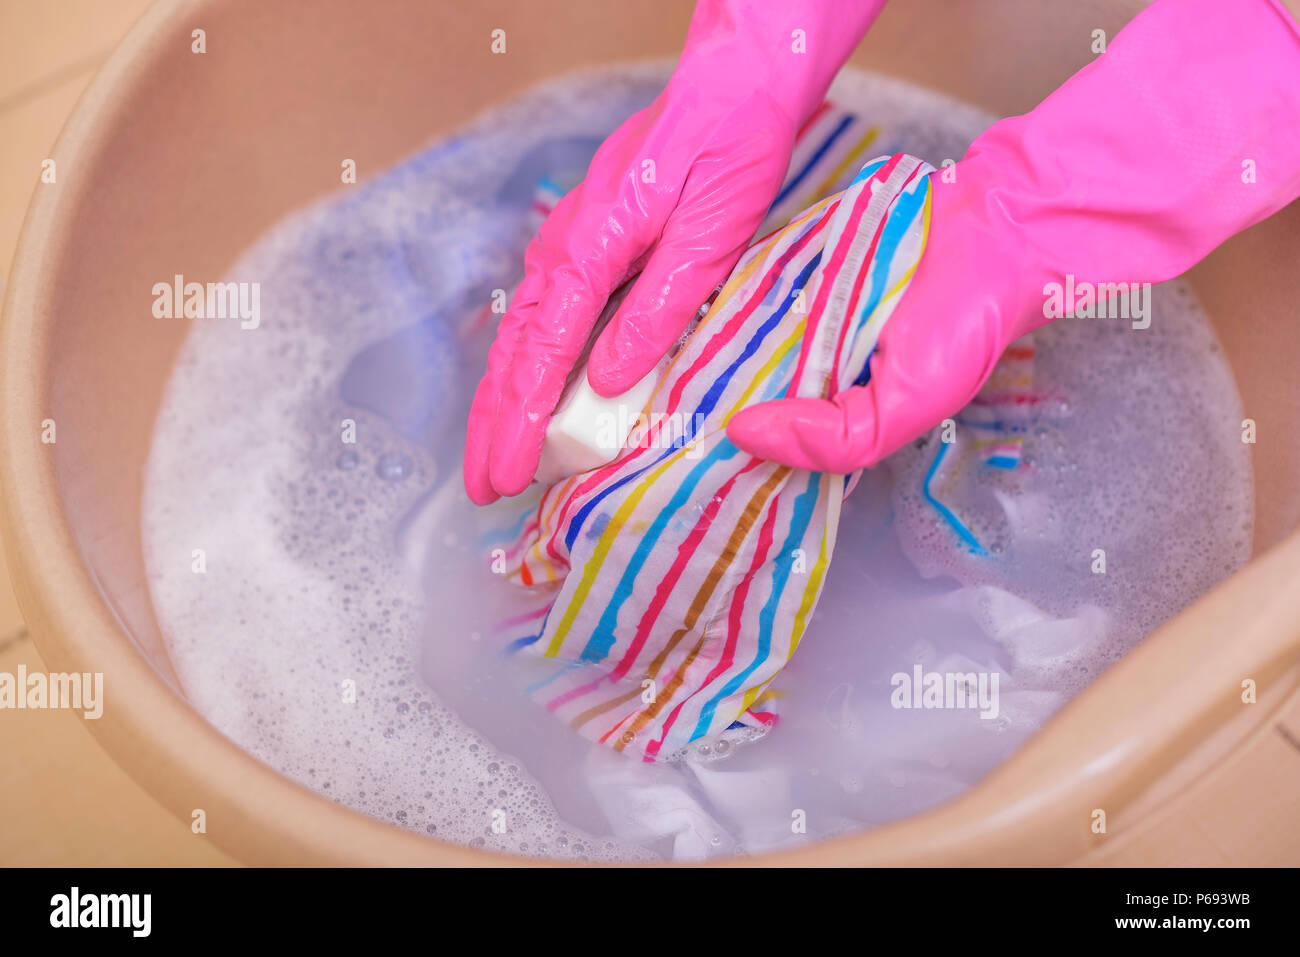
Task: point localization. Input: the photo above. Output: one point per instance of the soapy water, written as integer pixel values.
(346, 629)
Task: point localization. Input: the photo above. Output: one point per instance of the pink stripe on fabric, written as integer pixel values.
(767, 536)
(831, 269)
(858, 281)
(715, 344)
(685, 552)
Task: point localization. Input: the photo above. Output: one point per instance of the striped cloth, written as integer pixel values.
(829, 150)
(674, 583)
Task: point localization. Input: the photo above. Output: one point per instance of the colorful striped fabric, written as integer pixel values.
(831, 147)
(675, 583)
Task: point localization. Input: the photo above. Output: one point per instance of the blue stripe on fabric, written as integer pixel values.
(520, 643)
(783, 562)
(603, 635)
(719, 386)
(559, 672)
(996, 425)
(793, 184)
(779, 384)
(868, 171)
(898, 221)
(707, 404)
(962, 531)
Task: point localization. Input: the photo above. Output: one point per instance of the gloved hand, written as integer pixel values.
(1183, 133)
(675, 194)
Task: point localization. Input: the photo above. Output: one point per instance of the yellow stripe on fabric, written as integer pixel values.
(602, 549)
(764, 492)
(753, 698)
(728, 290)
(599, 554)
(747, 519)
(739, 532)
(768, 367)
(809, 596)
(899, 287)
(738, 280)
(803, 216)
(624, 512)
(844, 165)
(925, 238)
(925, 217)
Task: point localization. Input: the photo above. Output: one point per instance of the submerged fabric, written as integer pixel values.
(676, 582)
(990, 433)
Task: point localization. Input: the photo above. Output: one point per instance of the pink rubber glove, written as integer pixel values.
(675, 194)
(1183, 133)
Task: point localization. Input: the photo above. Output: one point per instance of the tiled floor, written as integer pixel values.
(62, 799)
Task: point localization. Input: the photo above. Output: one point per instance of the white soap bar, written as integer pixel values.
(588, 430)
